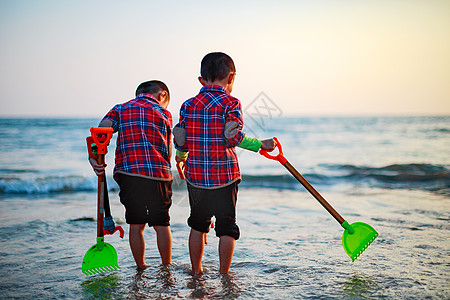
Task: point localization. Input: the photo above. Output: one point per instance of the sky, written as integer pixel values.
(307, 58)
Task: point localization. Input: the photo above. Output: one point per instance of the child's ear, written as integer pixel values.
(163, 98)
(202, 81)
(231, 78)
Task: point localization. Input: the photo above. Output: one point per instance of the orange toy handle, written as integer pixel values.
(101, 141)
(181, 169)
(280, 157)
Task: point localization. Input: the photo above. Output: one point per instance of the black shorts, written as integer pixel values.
(220, 203)
(145, 200)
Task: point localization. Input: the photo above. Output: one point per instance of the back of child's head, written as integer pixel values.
(216, 66)
(152, 87)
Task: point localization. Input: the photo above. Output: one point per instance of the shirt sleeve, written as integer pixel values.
(180, 132)
(252, 144)
(169, 125)
(114, 116)
(233, 134)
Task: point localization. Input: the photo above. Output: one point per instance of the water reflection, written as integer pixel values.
(152, 284)
(103, 287)
(230, 290)
(197, 285)
(359, 286)
(214, 287)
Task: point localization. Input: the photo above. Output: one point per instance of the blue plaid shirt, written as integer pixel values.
(212, 160)
(144, 136)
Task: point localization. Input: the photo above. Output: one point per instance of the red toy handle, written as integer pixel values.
(181, 169)
(117, 228)
(280, 157)
(101, 143)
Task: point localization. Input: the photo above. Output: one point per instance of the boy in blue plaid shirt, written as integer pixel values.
(210, 127)
(142, 165)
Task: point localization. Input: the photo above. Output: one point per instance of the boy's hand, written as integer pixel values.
(268, 144)
(98, 169)
(178, 159)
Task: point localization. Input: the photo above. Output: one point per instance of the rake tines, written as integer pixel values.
(101, 269)
(358, 252)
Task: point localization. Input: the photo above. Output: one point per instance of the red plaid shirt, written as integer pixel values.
(212, 160)
(144, 137)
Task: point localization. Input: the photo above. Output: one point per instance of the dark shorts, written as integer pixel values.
(145, 200)
(220, 203)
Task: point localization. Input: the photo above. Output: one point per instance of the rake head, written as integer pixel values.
(357, 237)
(102, 257)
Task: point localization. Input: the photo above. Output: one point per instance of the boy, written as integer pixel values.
(142, 165)
(209, 129)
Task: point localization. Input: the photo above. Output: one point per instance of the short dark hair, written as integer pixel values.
(216, 66)
(152, 87)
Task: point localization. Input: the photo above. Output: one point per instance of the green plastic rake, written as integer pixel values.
(357, 236)
(101, 257)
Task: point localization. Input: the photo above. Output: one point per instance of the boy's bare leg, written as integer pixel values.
(137, 243)
(226, 250)
(164, 241)
(196, 247)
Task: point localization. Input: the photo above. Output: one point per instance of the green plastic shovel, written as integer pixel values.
(101, 257)
(357, 236)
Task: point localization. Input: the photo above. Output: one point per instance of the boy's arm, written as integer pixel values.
(233, 134)
(179, 136)
(110, 120)
(232, 131)
(236, 137)
(249, 143)
(105, 123)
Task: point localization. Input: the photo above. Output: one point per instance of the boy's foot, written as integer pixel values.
(198, 273)
(142, 268)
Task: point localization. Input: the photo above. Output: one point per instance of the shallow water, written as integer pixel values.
(290, 248)
(392, 173)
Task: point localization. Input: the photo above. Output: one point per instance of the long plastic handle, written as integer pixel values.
(106, 133)
(280, 157)
(100, 198)
(101, 143)
(181, 169)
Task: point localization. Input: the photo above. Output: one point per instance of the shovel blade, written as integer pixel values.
(355, 243)
(102, 257)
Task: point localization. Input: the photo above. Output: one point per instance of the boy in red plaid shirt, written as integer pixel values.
(209, 129)
(142, 165)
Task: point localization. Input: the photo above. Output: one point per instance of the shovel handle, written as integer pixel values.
(280, 157)
(100, 198)
(101, 143)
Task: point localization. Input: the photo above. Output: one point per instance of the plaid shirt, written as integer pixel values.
(212, 160)
(144, 137)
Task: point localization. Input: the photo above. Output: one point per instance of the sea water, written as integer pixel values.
(389, 172)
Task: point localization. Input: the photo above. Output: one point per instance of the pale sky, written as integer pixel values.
(79, 58)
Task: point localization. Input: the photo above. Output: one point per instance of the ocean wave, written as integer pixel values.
(396, 176)
(396, 172)
(47, 184)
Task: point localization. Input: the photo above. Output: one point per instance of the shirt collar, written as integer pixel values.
(147, 96)
(214, 88)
